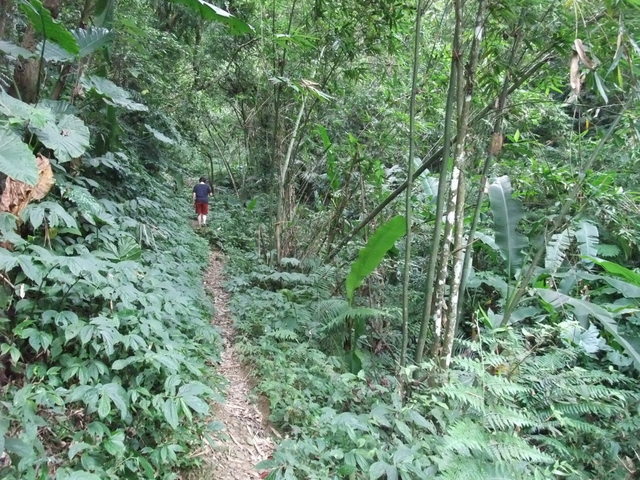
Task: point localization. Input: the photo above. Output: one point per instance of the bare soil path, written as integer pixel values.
(245, 440)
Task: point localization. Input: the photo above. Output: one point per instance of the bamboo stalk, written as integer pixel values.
(407, 251)
(442, 194)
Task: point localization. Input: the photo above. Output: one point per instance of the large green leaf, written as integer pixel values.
(371, 255)
(12, 107)
(16, 158)
(103, 12)
(604, 318)
(114, 95)
(88, 42)
(159, 135)
(68, 138)
(209, 11)
(41, 20)
(618, 270)
(37, 117)
(55, 53)
(507, 212)
(91, 39)
(14, 51)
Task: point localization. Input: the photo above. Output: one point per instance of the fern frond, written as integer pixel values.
(510, 449)
(466, 395)
(577, 425)
(560, 448)
(504, 418)
(582, 407)
(465, 437)
(469, 468)
(283, 334)
(503, 388)
(327, 310)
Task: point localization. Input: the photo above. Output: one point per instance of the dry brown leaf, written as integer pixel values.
(17, 195)
(574, 75)
(582, 54)
(45, 180)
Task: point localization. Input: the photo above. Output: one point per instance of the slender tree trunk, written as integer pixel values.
(441, 199)
(408, 213)
(286, 202)
(465, 97)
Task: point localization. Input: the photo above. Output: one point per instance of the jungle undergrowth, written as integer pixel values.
(521, 401)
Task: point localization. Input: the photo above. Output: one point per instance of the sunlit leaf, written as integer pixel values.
(112, 93)
(16, 158)
(374, 251)
(159, 135)
(15, 51)
(68, 138)
(91, 39)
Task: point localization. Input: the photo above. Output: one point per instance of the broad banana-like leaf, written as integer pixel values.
(112, 93)
(618, 270)
(58, 108)
(507, 212)
(16, 158)
(159, 135)
(209, 11)
(588, 238)
(602, 316)
(54, 53)
(40, 18)
(103, 12)
(91, 39)
(373, 252)
(557, 248)
(15, 51)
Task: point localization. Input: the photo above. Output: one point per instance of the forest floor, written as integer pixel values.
(245, 439)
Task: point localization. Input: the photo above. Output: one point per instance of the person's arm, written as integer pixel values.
(210, 190)
(194, 194)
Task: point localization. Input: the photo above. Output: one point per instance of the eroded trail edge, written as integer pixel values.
(245, 440)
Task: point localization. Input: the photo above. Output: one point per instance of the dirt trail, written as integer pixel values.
(245, 440)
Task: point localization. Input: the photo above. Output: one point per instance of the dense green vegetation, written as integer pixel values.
(429, 210)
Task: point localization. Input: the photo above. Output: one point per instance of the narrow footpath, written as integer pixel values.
(245, 440)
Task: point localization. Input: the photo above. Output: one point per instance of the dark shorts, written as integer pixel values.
(202, 208)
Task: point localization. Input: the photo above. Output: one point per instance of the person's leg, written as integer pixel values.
(199, 212)
(205, 212)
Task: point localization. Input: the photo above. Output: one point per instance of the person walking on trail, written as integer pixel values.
(201, 194)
